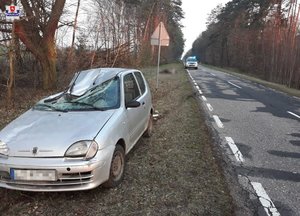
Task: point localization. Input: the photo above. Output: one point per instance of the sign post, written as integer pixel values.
(160, 37)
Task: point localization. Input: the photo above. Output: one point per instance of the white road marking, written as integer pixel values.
(200, 92)
(204, 98)
(293, 114)
(197, 87)
(238, 155)
(218, 121)
(234, 84)
(265, 200)
(210, 108)
(212, 74)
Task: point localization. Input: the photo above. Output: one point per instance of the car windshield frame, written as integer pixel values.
(105, 96)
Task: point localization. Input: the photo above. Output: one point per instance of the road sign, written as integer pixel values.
(12, 12)
(162, 34)
(160, 37)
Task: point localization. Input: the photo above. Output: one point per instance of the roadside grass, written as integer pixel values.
(175, 172)
(251, 77)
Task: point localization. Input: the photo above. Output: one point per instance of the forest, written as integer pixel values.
(258, 37)
(55, 38)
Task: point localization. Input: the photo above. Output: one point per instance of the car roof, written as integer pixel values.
(87, 79)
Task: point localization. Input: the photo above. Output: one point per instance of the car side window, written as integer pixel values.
(131, 88)
(141, 82)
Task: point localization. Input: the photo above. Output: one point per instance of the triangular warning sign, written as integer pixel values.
(162, 34)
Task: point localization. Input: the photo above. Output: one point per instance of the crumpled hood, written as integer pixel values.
(51, 132)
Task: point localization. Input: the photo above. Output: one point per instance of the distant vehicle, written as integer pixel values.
(78, 139)
(191, 62)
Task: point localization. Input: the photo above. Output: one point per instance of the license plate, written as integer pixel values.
(33, 175)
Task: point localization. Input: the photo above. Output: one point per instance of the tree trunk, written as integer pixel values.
(48, 65)
(10, 82)
(42, 47)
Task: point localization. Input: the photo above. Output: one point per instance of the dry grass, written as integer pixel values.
(174, 172)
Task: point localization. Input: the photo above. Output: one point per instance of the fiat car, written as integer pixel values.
(78, 139)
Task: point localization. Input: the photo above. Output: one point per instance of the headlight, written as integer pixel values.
(93, 149)
(3, 148)
(86, 149)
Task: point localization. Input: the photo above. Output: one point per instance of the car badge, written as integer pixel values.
(34, 150)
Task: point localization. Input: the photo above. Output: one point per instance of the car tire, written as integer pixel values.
(117, 168)
(148, 132)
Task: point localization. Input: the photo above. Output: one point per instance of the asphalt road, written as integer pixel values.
(260, 129)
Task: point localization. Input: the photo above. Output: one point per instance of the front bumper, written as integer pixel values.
(72, 174)
(191, 65)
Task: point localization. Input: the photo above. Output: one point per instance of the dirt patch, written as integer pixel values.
(174, 172)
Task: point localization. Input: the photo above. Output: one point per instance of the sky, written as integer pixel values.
(196, 13)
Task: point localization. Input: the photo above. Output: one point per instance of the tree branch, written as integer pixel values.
(6, 39)
(22, 28)
(3, 3)
(56, 13)
(5, 30)
(5, 22)
(27, 8)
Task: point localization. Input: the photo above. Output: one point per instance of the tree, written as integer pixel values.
(37, 30)
(259, 37)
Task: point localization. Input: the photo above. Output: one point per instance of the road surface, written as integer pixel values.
(260, 128)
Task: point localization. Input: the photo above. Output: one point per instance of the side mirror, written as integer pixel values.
(133, 104)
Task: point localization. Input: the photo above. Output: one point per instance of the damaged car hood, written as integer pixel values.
(51, 133)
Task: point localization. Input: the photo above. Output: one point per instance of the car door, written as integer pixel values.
(136, 114)
(145, 100)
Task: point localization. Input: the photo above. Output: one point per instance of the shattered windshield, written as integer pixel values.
(102, 97)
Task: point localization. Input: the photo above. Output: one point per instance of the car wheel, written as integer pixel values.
(149, 130)
(117, 167)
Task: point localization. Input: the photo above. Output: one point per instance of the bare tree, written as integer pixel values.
(37, 31)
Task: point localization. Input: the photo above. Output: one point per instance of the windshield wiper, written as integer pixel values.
(49, 106)
(91, 106)
(54, 98)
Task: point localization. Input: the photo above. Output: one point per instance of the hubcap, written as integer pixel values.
(117, 166)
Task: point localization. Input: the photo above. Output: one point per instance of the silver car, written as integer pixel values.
(191, 62)
(77, 139)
